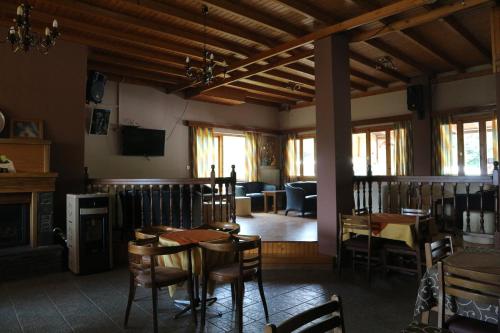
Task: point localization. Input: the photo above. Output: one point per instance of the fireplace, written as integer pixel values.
(14, 224)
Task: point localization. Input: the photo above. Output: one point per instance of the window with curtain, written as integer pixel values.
(300, 157)
(465, 145)
(203, 152)
(387, 149)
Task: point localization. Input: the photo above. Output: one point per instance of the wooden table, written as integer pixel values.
(273, 195)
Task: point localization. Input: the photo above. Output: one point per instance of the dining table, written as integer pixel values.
(486, 260)
(391, 226)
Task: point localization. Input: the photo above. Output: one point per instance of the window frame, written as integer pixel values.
(377, 128)
(460, 120)
(220, 150)
(301, 138)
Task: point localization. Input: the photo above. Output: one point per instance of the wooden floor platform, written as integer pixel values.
(285, 239)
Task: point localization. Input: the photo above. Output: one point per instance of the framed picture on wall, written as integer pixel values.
(99, 122)
(26, 128)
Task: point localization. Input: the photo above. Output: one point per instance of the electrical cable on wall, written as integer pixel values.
(177, 121)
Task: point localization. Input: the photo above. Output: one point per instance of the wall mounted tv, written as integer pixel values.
(137, 141)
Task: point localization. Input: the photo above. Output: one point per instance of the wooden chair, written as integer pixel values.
(434, 252)
(231, 228)
(245, 268)
(332, 311)
(358, 243)
(482, 288)
(150, 275)
(360, 211)
(421, 234)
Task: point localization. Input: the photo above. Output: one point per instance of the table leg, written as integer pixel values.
(185, 305)
(265, 203)
(275, 203)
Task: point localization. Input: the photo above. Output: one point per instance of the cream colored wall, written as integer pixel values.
(152, 108)
(469, 92)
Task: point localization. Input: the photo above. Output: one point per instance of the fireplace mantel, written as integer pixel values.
(21, 182)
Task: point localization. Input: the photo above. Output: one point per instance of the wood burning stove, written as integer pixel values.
(88, 233)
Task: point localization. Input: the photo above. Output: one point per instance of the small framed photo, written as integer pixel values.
(99, 122)
(26, 128)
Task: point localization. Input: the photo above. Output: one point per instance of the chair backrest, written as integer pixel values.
(351, 223)
(415, 212)
(482, 288)
(237, 244)
(331, 311)
(230, 228)
(438, 250)
(360, 211)
(154, 231)
(422, 225)
(142, 252)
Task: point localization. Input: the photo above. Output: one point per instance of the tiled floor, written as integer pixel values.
(96, 303)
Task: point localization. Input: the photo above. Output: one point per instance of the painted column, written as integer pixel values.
(334, 152)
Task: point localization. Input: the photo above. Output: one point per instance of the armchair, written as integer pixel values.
(254, 190)
(301, 197)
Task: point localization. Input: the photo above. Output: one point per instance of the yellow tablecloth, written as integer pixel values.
(390, 226)
(180, 260)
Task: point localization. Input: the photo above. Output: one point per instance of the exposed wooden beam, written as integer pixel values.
(433, 50)
(168, 9)
(309, 10)
(370, 63)
(299, 67)
(128, 72)
(369, 78)
(242, 75)
(277, 73)
(457, 27)
(169, 32)
(259, 101)
(269, 91)
(269, 98)
(281, 85)
(252, 13)
(389, 10)
(141, 82)
(430, 16)
(384, 47)
(495, 39)
(358, 86)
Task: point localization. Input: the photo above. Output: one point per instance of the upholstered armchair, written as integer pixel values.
(253, 190)
(301, 197)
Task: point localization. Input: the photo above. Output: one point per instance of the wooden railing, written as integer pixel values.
(170, 202)
(392, 193)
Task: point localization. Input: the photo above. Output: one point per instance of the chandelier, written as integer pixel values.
(206, 73)
(385, 62)
(22, 38)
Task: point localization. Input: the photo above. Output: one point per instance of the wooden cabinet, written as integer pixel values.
(28, 155)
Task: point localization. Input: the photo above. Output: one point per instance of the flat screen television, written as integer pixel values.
(137, 141)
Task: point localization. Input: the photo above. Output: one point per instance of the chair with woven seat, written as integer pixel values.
(148, 274)
(467, 285)
(322, 318)
(421, 235)
(356, 243)
(247, 266)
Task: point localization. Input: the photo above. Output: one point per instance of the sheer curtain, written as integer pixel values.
(403, 148)
(290, 158)
(443, 145)
(252, 156)
(203, 153)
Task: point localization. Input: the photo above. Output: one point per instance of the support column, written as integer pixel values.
(422, 131)
(495, 56)
(334, 146)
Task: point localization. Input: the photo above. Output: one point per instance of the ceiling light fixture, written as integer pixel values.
(22, 38)
(385, 62)
(206, 73)
(293, 86)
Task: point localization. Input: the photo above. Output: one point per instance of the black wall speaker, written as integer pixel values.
(415, 100)
(95, 87)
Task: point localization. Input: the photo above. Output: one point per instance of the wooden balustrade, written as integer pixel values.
(391, 196)
(170, 202)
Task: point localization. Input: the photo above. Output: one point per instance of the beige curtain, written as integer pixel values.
(403, 148)
(290, 158)
(203, 153)
(494, 132)
(443, 145)
(252, 156)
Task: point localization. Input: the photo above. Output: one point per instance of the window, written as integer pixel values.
(305, 156)
(230, 150)
(373, 147)
(468, 146)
